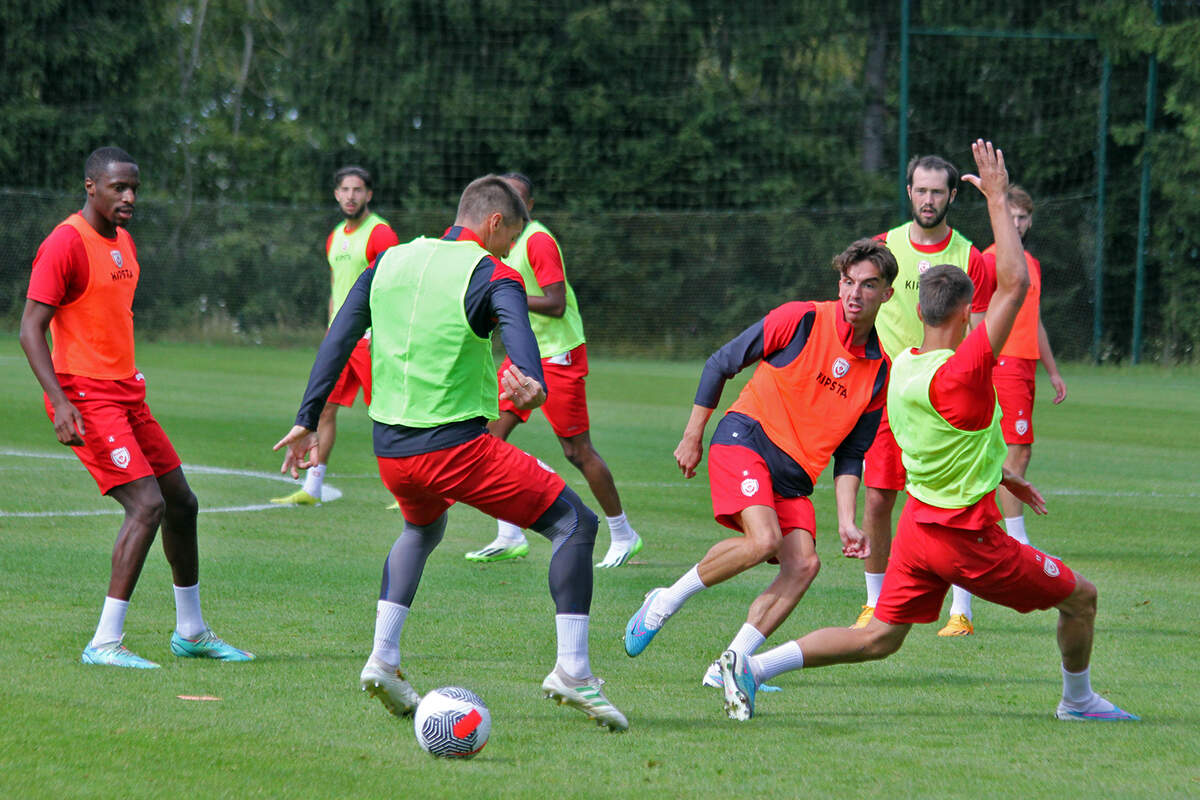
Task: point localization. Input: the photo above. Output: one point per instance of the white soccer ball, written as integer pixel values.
(452, 722)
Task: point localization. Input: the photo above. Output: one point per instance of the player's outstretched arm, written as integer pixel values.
(35, 321)
(1046, 356)
(690, 450)
(854, 542)
(301, 444)
(1012, 275)
(1024, 491)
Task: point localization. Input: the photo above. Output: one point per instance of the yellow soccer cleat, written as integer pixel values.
(958, 625)
(297, 498)
(395, 506)
(864, 616)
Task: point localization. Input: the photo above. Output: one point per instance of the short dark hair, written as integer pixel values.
(97, 163)
(871, 250)
(487, 195)
(1019, 198)
(934, 163)
(358, 172)
(941, 291)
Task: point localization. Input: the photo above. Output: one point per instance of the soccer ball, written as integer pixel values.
(452, 722)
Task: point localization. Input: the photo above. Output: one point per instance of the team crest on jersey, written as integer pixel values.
(120, 457)
(1050, 568)
(1022, 426)
(923, 265)
(116, 257)
(345, 245)
(750, 487)
(840, 367)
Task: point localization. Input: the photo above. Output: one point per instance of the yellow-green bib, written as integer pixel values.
(555, 335)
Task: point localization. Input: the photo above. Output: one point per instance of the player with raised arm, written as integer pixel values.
(816, 394)
(432, 305)
(927, 240)
(947, 423)
(351, 247)
(554, 317)
(81, 292)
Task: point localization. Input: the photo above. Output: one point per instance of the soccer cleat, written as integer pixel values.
(713, 680)
(388, 684)
(498, 552)
(115, 654)
(395, 506)
(637, 635)
(864, 617)
(207, 645)
(586, 695)
(618, 553)
(738, 685)
(297, 498)
(1110, 714)
(958, 625)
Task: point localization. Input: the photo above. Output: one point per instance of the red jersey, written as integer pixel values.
(1022, 342)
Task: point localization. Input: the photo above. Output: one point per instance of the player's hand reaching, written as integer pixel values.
(1024, 491)
(301, 444)
(688, 454)
(992, 178)
(519, 389)
(854, 542)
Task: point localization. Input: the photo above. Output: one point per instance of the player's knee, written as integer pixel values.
(882, 641)
(801, 570)
(879, 502)
(1081, 603)
(182, 504)
(147, 509)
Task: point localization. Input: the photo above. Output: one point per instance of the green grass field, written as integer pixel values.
(968, 717)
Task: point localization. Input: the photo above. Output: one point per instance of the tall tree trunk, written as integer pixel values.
(875, 82)
(247, 52)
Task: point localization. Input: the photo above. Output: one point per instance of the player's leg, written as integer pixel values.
(877, 525)
(1017, 461)
(1015, 381)
(624, 541)
(1076, 628)
(510, 541)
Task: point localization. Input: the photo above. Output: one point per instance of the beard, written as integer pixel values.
(358, 214)
(937, 220)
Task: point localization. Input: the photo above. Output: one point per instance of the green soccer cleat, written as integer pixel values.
(620, 552)
(297, 498)
(207, 645)
(389, 685)
(115, 654)
(586, 695)
(498, 552)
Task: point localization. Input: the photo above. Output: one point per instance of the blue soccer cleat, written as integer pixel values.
(738, 685)
(637, 635)
(115, 654)
(1110, 714)
(713, 680)
(207, 645)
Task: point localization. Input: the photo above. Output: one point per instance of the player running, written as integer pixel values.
(81, 290)
(432, 305)
(554, 317)
(350, 248)
(817, 392)
(948, 426)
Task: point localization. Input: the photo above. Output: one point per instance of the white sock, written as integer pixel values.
(389, 621)
(112, 622)
(1077, 688)
(1015, 526)
(874, 586)
(620, 530)
(573, 644)
(672, 599)
(776, 661)
(508, 534)
(314, 479)
(189, 622)
(747, 641)
(962, 601)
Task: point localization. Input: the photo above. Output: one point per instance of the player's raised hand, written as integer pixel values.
(992, 178)
(301, 444)
(519, 389)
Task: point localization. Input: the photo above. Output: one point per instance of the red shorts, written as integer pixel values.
(1015, 379)
(486, 473)
(927, 558)
(739, 478)
(566, 396)
(357, 373)
(882, 467)
(122, 441)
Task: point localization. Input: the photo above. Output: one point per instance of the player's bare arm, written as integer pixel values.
(522, 391)
(854, 542)
(1024, 491)
(1046, 356)
(690, 450)
(301, 444)
(553, 303)
(1012, 275)
(35, 322)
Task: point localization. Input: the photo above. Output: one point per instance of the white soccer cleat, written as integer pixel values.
(388, 684)
(586, 695)
(620, 552)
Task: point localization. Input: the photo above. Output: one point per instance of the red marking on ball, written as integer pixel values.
(467, 724)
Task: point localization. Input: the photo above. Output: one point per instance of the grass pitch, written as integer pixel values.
(968, 717)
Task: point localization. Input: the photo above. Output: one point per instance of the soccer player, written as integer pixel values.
(948, 426)
(554, 317)
(432, 305)
(1015, 373)
(81, 291)
(817, 392)
(928, 239)
(351, 247)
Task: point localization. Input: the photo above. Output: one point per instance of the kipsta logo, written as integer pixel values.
(840, 367)
(116, 257)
